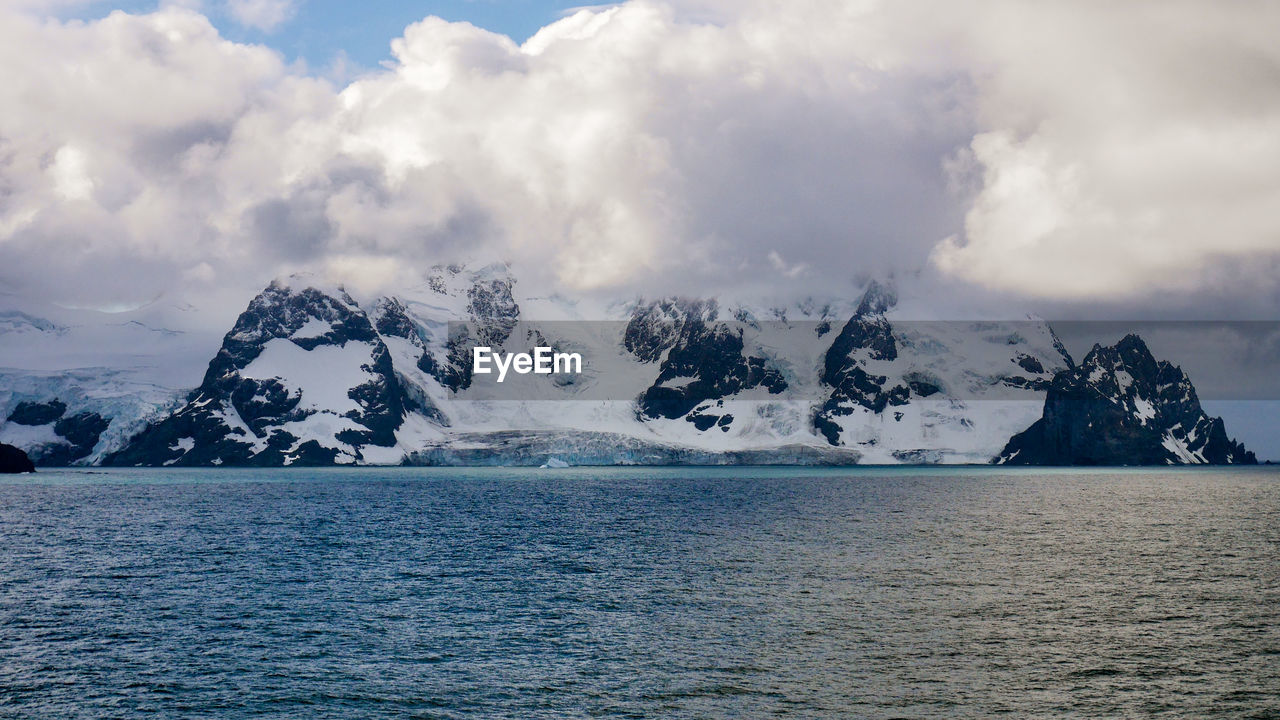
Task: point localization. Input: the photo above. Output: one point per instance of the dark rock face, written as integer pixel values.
(1121, 406)
(705, 359)
(236, 420)
(867, 336)
(79, 433)
(391, 319)
(493, 310)
(31, 413)
(492, 314)
(1030, 364)
(656, 327)
(82, 429)
(13, 460)
(454, 372)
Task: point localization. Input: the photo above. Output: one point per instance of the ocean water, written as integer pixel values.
(698, 593)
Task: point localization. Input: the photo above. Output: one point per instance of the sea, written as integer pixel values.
(641, 593)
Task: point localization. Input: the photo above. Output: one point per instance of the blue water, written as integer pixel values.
(640, 593)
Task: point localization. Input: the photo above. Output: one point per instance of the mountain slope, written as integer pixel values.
(1121, 406)
(931, 391)
(50, 435)
(302, 378)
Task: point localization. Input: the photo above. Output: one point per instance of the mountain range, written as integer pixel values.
(308, 375)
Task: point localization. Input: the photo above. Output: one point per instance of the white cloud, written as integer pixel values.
(70, 177)
(265, 15)
(1065, 148)
(1126, 148)
(788, 271)
(623, 146)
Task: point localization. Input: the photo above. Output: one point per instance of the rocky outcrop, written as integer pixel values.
(867, 336)
(56, 438)
(13, 460)
(702, 362)
(1121, 406)
(34, 414)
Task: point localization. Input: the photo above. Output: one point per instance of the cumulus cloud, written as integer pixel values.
(265, 15)
(619, 147)
(1124, 148)
(692, 146)
(114, 145)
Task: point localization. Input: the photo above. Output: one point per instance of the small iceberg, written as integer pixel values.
(554, 462)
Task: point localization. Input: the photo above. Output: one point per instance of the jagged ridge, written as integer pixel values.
(1121, 406)
(306, 376)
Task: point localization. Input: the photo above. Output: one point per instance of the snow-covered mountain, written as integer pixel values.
(303, 377)
(307, 375)
(310, 375)
(1121, 406)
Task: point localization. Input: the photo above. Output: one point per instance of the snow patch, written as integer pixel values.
(324, 375)
(323, 427)
(313, 328)
(1124, 379)
(30, 436)
(1181, 451)
(1144, 410)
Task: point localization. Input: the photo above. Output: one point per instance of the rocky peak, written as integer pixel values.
(1130, 377)
(493, 309)
(703, 361)
(305, 315)
(866, 338)
(484, 311)
(1120, 406)
(303, 377)
(1130, 355)
(656, 326)
(877, 299)
(391, 319)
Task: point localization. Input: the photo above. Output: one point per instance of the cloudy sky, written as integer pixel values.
(1075, 158)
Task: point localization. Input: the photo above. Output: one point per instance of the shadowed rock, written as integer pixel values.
(1121, 406)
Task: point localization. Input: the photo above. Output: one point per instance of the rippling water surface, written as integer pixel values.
(640, 593)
